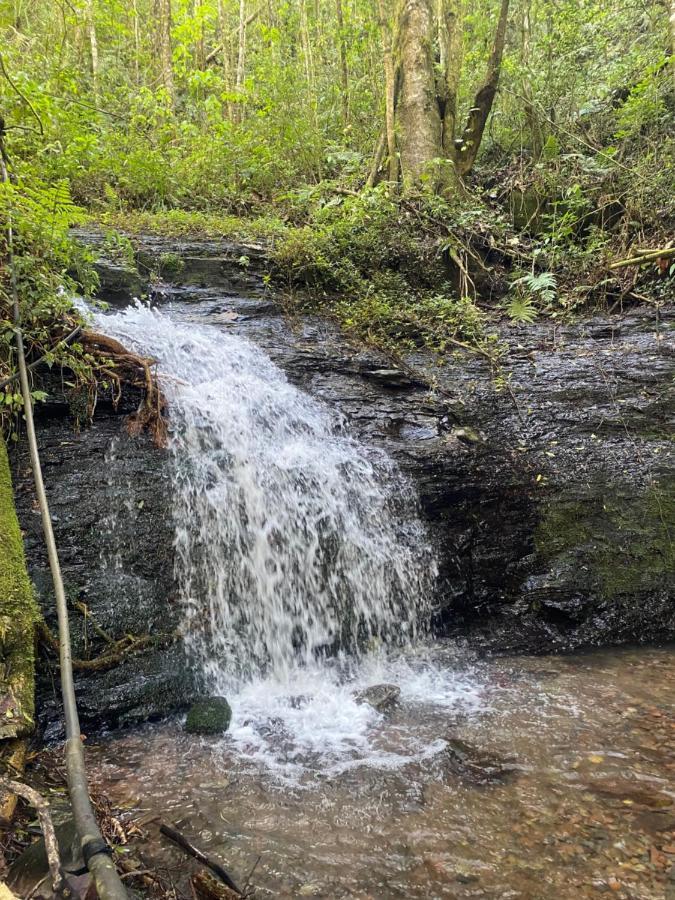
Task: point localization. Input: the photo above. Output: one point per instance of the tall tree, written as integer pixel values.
(424, 103)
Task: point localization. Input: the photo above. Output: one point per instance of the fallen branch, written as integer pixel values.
(206, 887)
(44, 816)
(201, 857)
(644, 256)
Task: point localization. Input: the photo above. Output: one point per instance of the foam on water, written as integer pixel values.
(294, 543)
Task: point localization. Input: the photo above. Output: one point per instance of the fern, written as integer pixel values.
(543, 286)
(521, 310)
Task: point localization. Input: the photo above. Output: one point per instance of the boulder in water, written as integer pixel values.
(381, 697)
(209, 715)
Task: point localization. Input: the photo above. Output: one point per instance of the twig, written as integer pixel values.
(201, 857)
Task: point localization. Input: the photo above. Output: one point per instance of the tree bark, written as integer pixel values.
(417, 109)
(482, 104)
(389, 87)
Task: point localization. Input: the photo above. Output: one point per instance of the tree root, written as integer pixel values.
(117, 653)
(122, 366)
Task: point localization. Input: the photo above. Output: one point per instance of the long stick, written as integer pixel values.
(201, 857)
(95, 851)
(643, 257)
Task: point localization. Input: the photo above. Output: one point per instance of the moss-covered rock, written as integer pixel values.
(209, 715)
(18, 614)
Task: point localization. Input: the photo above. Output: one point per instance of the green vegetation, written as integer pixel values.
(18, 615)
(543, 152)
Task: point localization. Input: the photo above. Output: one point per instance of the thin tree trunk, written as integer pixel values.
(482, 104)
(531, 117)
(377, 159)
(225, 56)
(417, 110)
(93, 44)
(164, 42)
(451, 52)
(307, 51)
(344, 70)
(672, 32)
(241, 57)
(389, 86)
(137, 42)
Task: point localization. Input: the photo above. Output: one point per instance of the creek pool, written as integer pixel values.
(335, 800)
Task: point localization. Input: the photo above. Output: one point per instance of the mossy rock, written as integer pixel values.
(18, 615)
(209, 715)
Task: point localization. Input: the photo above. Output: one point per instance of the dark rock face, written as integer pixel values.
(548, 491)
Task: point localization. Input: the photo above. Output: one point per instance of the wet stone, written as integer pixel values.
(382, 697)
(474, 765)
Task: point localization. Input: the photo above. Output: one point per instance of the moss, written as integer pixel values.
(210, 715)
(18, 615)
(617, 545)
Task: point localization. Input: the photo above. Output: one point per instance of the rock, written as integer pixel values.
(472, 764)
(621, 789)
(209, 715)
(31, 866)
(118, 282)
(382, 697)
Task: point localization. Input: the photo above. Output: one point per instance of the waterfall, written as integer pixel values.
(293, 541)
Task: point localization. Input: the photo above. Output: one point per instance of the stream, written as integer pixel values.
(576, 801)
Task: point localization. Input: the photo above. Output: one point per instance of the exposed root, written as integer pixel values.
(122, 367)
(115, 654)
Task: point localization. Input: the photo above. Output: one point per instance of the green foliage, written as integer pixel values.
(531, 294)
(48, 267)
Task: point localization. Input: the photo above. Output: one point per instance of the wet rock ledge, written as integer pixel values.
(548, 493)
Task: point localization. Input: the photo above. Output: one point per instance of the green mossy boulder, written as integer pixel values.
(209, 715)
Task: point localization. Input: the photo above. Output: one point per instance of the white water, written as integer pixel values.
(304, 568)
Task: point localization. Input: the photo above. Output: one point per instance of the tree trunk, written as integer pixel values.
(482, 104)
(672, 32)
(93, 44)
(450, 39)
(344, 70)
(531, 117)
(389, 79)
(225, 56)
(164, 46)
(241, 58)
(417, 110)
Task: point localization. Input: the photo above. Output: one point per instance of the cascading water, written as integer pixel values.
(299, 553)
